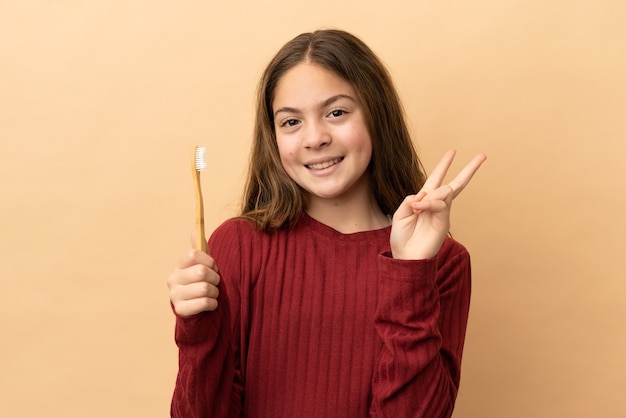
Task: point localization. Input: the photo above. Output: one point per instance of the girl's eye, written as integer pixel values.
(290, 123)
(337, 113)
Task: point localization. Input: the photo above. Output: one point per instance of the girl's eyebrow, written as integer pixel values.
(325, 103)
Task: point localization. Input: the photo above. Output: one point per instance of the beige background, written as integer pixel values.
(101, 102)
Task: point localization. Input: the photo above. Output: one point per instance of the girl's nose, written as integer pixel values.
(316, 136)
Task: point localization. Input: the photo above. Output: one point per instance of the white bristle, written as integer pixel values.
(200, 160)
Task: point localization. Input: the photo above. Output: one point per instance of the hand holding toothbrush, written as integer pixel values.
(194, 283)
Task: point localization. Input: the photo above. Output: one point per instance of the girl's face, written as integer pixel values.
(321, 133)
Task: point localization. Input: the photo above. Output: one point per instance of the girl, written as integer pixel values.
(337, 292)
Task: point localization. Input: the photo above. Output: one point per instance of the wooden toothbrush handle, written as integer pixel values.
(200, 243)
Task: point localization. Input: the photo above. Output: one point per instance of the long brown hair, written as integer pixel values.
(271, 198)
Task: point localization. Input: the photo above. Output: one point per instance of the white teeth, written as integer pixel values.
(325, 164)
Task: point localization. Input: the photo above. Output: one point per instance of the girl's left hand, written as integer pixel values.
(422, 221)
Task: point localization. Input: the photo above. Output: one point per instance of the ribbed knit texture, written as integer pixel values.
(324, 324)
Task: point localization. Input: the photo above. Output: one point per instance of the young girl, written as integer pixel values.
(337, 292)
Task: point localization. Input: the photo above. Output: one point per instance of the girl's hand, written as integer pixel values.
(193, 284)
(422, 221)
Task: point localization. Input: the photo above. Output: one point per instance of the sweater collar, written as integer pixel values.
(313, 225)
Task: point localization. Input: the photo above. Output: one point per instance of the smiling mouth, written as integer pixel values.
(325, 164)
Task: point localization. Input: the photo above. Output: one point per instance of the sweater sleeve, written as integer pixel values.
(421, 318)
(209, 382)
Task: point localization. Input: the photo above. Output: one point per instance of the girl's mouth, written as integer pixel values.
(325, 164)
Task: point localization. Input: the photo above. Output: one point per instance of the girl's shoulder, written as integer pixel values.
(236, 227)
(452, 249)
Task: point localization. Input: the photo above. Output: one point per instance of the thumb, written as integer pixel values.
(198, 242)
(193, 238)
(405, 210)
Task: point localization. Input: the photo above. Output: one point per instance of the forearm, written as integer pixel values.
(422, 333)
(204, 384)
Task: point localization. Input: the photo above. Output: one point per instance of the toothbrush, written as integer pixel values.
(198, 164)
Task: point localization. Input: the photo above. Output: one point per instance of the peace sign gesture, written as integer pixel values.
(422, 220)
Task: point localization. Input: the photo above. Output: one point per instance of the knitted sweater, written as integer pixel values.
(314, 323)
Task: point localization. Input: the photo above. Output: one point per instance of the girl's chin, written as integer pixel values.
(329, 193)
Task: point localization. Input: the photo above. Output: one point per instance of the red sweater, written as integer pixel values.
(314, 323)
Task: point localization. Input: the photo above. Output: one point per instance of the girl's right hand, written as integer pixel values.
(193, 284)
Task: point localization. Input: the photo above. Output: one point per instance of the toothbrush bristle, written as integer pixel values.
(200, 160)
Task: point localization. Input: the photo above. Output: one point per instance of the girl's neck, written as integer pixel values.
(348, 215)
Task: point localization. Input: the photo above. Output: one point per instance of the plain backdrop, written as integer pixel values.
(101, 103)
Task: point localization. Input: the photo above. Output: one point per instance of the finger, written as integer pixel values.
(441, 193)
(195, 306)
(405, 210)
(194, 240)
(430, 205)
(195, 291)
(193, 274)
(193, 257)
(439, 173)
(463, 178)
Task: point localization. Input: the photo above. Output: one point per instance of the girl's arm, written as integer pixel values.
(209, 381)
(421, 319)
(424, 302)
(206, 372)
